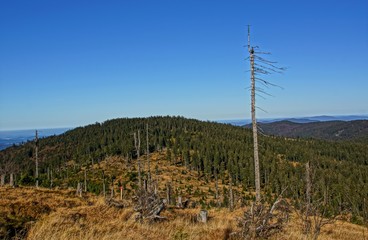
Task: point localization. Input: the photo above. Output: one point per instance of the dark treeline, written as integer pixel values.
(340, 169)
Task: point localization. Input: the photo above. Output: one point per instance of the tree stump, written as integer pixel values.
(2, 180)
(179, 204)
(11, 180)
(202, 216)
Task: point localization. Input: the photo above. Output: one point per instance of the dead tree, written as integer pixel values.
(36, 143)
(261, 221)
(79, 189)
(137, 144)
(308, 182)
(11, 180)
(2, 182)
(313, 211)
(231, 194)
(258, 67)
(148, 159)
(2, 174)
(85, 179)
(148, 205)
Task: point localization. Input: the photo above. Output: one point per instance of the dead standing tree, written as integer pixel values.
(137, 145)
(36, 143)
(258, 68)
(148, 159)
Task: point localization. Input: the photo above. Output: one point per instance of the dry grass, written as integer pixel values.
(60, 214)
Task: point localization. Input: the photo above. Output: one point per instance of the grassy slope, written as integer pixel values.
(60, 214)
(90, 218)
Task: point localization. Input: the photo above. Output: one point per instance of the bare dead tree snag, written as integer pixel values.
(307, 222)
(231, 194)
(36, 142)
(137, 144)
(11, 180)
(2, 183)
(85, 179)
(258, 66)
(148, 158)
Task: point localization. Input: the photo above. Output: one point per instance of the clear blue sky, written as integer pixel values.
(71, 63)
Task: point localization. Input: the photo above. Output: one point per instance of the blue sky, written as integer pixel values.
(71, 63)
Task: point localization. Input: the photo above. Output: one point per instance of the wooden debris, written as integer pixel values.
(148, 204)
(114, 203)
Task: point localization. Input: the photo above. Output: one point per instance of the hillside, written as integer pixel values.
(193, 156)
(60, 214)
(330, 130)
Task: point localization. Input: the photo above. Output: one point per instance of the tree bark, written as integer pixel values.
(254, 128)
(137, 143)
(2, 180)
(85, 179)
(36, 159)
(11, 180)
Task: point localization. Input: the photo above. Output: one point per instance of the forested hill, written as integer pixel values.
(213, 150)
(330, 130)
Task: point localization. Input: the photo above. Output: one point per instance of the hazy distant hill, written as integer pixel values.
(330, 130)
(323, 118)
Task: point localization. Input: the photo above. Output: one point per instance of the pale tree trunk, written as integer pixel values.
(51, 179)
(179, 204)
(148, 159)
(11, 180)
(307, 224)
(36, 159)
(137, 143)
(85, 179)
(103, 184)
(2, 180)
(254, 128)
(231, 196)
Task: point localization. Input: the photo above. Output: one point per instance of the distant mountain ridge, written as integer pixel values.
(327, 130)
(322, 118)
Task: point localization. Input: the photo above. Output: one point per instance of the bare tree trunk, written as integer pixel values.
(137, 143)
(11, 180)
(51, 179)
(179, 204)
(79, 190)
(307, 224)
(103, 184)
(85, 179)
(2, 180)
(231, 195)
(254, 128)
(48, 173)
(36, 159)
(148, 159)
